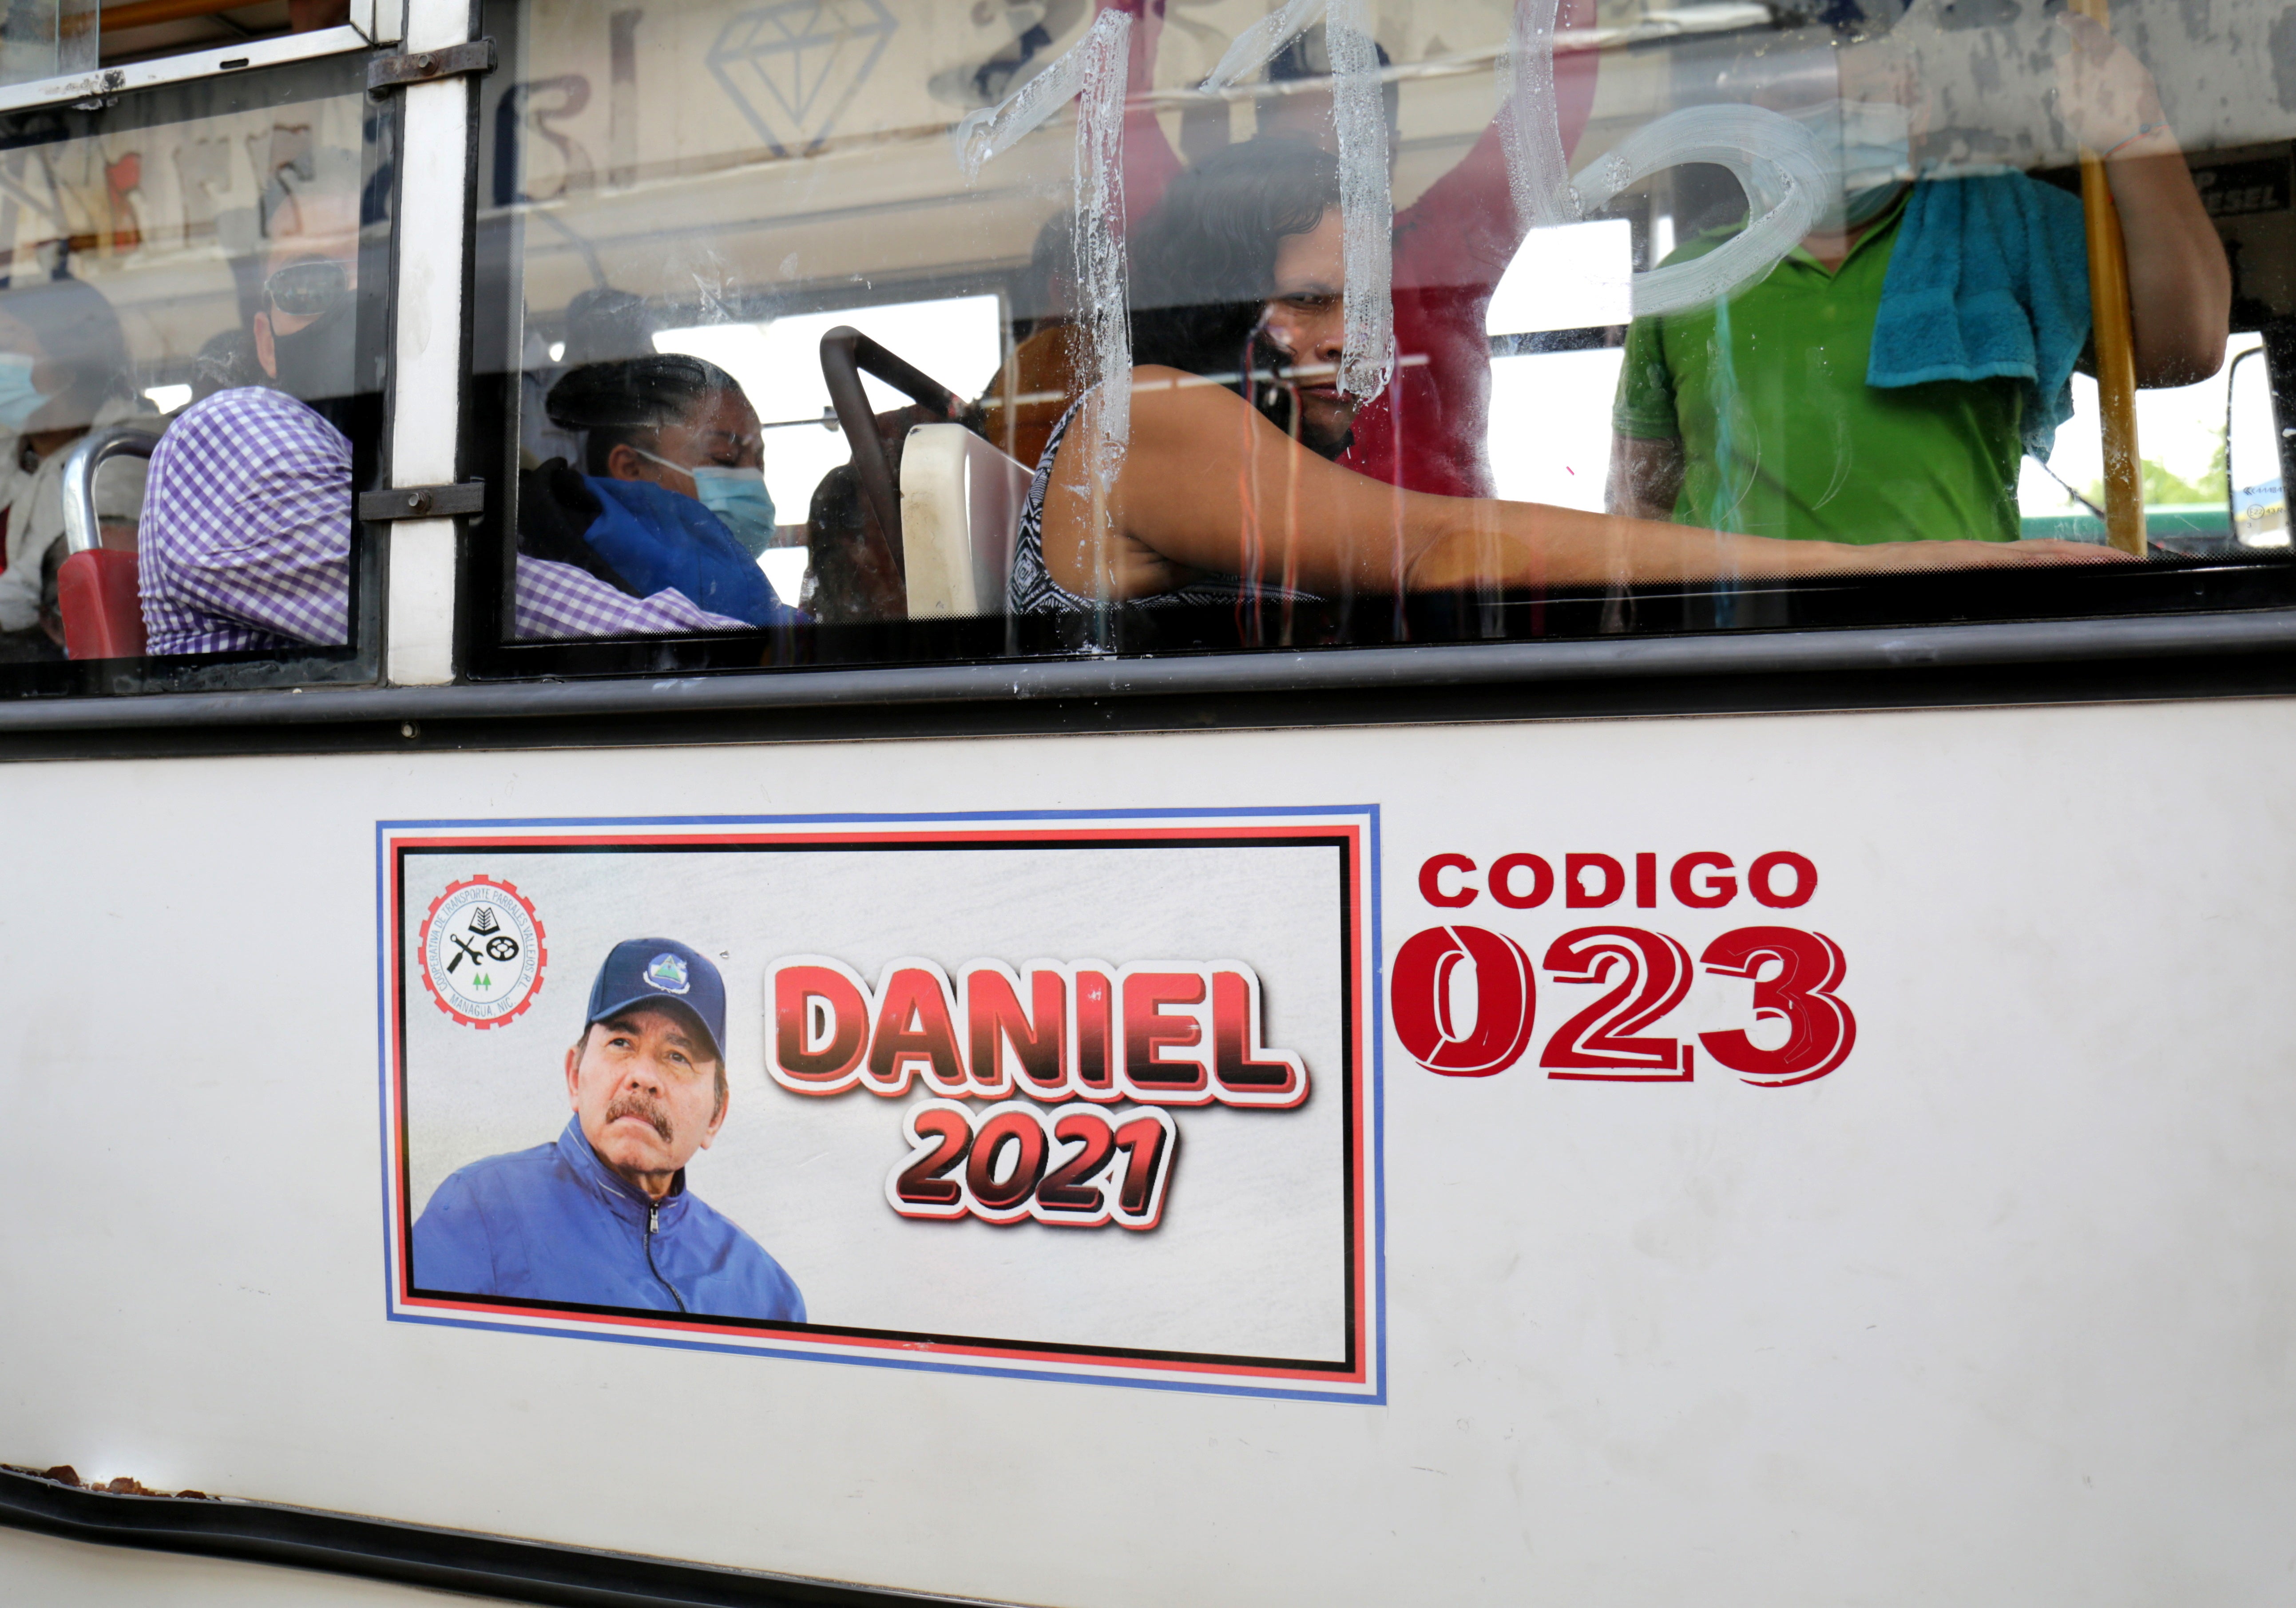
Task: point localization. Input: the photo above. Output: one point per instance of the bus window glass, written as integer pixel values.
(925, 332)
(192, 286)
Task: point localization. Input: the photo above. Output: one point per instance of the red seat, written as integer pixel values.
(104, 617)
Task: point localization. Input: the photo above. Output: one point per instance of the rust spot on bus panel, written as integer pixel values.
(125, 1485)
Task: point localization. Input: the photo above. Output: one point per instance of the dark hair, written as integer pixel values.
(80, 337)
(1204, 262)
(615, 404)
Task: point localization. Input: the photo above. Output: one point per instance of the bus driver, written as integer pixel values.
(603, 1217)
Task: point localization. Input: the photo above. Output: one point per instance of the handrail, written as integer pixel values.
(83, 532)
(845, 353)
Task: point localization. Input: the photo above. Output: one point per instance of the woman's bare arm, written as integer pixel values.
(1208, 484)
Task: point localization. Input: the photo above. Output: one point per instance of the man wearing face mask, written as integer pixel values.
(672, 492)
(245, 540)
(1884, 381)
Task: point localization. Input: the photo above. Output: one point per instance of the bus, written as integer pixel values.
(716, 714)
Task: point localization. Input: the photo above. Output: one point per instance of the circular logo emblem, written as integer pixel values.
(482, 952)
(666, 972)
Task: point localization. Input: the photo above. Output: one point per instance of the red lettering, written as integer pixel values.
(1758, 882)
(1574, 887)
(1431, 884)
(914, 1024)
(1542, 881)
(1794, 974)
(1096, 1062)
(821, 1027)
(1247, 1074)
(1505, 1001)
(1717, 891)
(1646, 881)
(1148, 1031)
(995, 1019)
(1012, 1131)
(922, 1188)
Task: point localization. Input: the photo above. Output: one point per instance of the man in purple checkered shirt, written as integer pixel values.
(245, 540)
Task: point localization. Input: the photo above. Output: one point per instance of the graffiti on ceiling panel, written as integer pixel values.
(793, 68)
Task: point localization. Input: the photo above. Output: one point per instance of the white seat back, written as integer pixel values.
(961, 502)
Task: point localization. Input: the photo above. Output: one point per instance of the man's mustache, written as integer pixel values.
(638, 1105)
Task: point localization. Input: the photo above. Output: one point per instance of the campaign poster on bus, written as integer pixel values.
(1082, 1096)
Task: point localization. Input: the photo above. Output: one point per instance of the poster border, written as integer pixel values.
(1364, 1377)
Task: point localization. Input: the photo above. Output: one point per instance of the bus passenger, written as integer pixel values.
(64, 369)
(672, 489)
(245, 538)
(1220, 496)
(1883, 382)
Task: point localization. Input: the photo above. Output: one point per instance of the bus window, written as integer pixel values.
(1300, 327)
(192, 296)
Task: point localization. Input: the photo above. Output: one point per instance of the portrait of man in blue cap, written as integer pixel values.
(602, 1217)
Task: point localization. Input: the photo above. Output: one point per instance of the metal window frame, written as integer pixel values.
(215, 62)
(428, 383)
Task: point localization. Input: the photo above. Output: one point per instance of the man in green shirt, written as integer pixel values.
(1752, 414)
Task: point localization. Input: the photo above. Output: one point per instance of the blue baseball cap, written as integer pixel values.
(659, 972)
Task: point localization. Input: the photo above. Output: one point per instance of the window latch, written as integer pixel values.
(386, 73)
(423, 502)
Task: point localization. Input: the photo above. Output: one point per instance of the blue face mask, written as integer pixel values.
(737, 496)
(739, 500)
(19, 399)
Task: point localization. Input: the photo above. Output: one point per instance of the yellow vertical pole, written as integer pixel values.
(2116, 350)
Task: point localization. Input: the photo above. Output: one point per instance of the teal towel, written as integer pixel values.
(1989, 277)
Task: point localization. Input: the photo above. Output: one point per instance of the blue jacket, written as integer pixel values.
(655, 538)
(556, 1223)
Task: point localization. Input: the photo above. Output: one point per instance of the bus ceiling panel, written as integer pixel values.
(1984, 71)
(754, 272)
(705, 80)
(898, 174)
(101, 87)
(772, 227)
